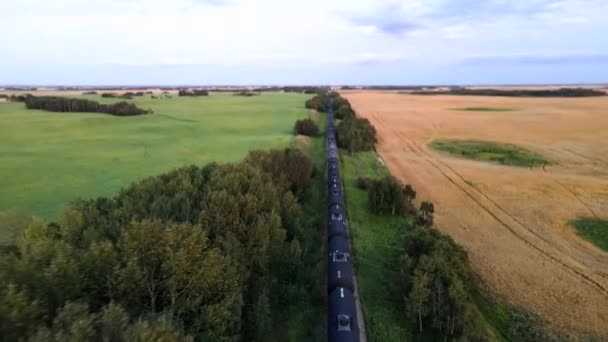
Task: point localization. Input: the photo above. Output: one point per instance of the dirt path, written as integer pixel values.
(512, 221)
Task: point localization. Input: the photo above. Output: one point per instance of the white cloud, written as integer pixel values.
(361, 38)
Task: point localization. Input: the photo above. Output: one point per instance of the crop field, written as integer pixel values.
(49, 159)
(515, 222)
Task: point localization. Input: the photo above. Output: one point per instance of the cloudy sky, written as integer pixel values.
(92, 42)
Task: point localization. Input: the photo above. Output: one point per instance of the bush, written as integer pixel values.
(306, 127)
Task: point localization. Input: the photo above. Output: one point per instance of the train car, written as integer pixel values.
(342, 316)
(337, 228)
(338, 243)
(335, 195)
(332, 164)
(339, 271)
(333, 173)
(336, 213)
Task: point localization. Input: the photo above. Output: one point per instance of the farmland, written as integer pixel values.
(513, 221)
(50, 159)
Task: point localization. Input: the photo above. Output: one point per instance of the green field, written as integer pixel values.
(485, 109)
(593, 230)
(377, 250)
(505, 154)
(49, 159)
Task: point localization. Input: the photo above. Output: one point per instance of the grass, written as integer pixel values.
(505, 154)
(376, 242)
(485, 109)
(593, 230)
(49, 159)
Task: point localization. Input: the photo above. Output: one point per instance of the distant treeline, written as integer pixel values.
(20, 89)
(193, 92)
(67, 105)
(127, 96)
(389, 87)
(562, 92)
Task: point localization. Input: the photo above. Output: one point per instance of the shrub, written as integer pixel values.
(306, 127)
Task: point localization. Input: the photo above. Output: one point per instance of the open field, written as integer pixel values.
(513, 221)
(49, 159)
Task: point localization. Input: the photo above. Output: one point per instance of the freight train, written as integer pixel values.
(342, 323)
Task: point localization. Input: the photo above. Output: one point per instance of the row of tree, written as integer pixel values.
(193, 92)
(562, 92)
(70, 105)
(353, 134)
(209, 253)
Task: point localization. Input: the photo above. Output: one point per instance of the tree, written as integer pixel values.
(306, 127)
(427, 209)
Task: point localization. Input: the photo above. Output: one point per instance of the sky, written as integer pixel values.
(372, 42)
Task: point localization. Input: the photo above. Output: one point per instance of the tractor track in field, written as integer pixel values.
(505, 224)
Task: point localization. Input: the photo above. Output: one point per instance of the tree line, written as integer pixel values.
(212, 253)
(352, 133)
(193, 92)
(562, 92)
(69, 105)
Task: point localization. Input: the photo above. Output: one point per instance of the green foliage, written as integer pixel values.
(344, 111)
(427, 210)
(306, 127)
(193, 92)
(356, 135)
(193, 252)
(91, 155)
(68, 105)
(436, 281)
(593, 230)
(505, 154)
(388, 196)
(12, 224)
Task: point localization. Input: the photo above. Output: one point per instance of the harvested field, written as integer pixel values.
(513, 221)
